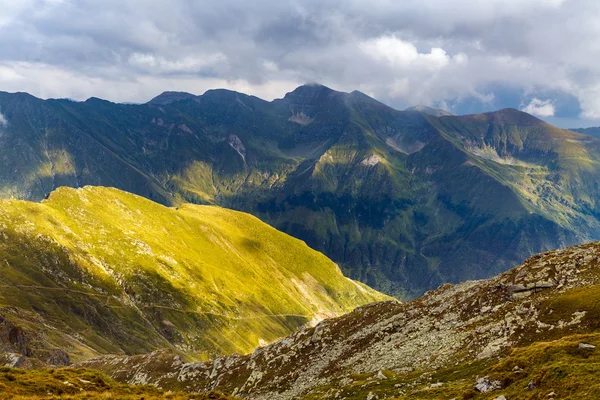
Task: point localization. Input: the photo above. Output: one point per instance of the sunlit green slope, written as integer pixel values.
(97, 270)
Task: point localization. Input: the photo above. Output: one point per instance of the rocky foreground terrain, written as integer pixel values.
(461, 339)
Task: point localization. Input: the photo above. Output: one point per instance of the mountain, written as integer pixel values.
(170, 97)
(436, 112)
(401, 200)
(524, 334)
(594, 131)
(96, 270)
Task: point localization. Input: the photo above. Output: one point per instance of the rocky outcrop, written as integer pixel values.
(16, 350)
(453, 324)
(371, 160)
(519, 291)
(12, 338)
(485, 385)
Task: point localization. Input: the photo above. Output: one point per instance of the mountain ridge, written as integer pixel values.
(591, 131)
(97, 270)
(402, 201)
(436, 112)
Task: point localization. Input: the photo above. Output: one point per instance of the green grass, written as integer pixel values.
(113, 272)
(82, 384)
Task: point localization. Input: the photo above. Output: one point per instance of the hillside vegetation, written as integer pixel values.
(402, 200)
(80, 384)
(97, 270)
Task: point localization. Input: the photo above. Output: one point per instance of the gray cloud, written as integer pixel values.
(433, 52)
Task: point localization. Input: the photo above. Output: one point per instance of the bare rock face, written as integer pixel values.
(55, 357)
(12, 338)
(237, 145)
(371, 160)
(16, 351)
(301, 119)
(450, 325)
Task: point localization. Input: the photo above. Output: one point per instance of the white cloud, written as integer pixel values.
(3, 121)
(402, 54)
(541, 108)
(187, 64)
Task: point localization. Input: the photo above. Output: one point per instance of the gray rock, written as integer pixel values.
(501, 397)
(586, 346)
(519, 291)
(485, 385)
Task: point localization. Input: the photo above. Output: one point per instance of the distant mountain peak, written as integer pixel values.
(591, 131)
(512, 116)
(170, 97)
(310, 90)
(436, 112)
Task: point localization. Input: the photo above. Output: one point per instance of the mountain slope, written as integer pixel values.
(97, 270)
(401, 200)
(436, 112)
(521, 330)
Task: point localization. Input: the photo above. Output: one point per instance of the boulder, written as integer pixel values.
(586, 346)
(485, 385)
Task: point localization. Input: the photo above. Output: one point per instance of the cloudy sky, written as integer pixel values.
(541, 56)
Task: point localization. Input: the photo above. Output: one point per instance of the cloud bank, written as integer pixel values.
(465, 55)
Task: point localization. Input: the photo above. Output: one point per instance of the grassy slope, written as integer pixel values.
(81, 384)
(115, 272)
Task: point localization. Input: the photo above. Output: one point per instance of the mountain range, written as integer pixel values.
(402, 200)
(593, 131)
